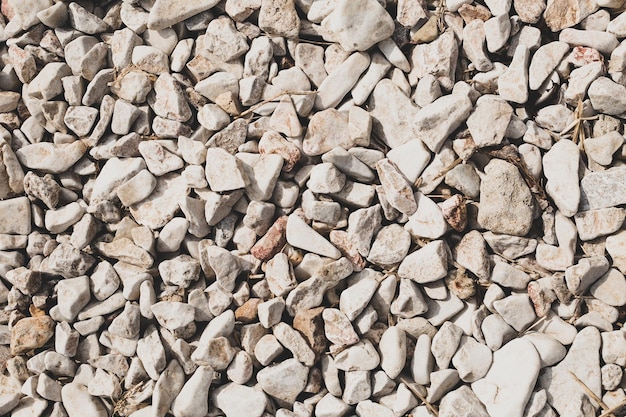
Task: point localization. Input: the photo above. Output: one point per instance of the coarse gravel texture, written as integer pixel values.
(298, 208)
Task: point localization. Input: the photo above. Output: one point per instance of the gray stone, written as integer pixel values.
(461, 402)
(607, 96)
(602, 189)
(506, 204)
(392, 114)
(435, 122)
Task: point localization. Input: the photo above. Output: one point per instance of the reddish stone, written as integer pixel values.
(273, 241)
(339, 238)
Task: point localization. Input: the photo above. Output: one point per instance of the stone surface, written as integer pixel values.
(239, 400)
(392, 113)
(504, 208)
(562, 14)
(560, 166)
(283, 381)
(435, 122)
(357, 35)
(497, 382)
(601, 189)
(214, 213)
(31, 333)
(583, 359)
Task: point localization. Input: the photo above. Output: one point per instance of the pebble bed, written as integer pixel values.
(298, 208)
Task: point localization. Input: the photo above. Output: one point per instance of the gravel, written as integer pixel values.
(296, 208)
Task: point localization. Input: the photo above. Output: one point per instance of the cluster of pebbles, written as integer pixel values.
(299, 208)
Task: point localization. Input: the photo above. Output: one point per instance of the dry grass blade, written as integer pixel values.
(532, 326)
(126, 404)
(620, 409)
(418, 182)
(441, 10)
(415, 392)
(590, 393)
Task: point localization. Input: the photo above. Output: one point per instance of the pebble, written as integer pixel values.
(340, 81)
(601, 149)
(73, 295)
(193, 398)
(556, 19)
(593, 188)
(390, 246)
(461, 402)
(544, 61)
(421, 267)
(301, 235)
(474, 45)
(602, 41)
(392, 113)
(422, 361)
(397, 190)
(369, 408)
(445, 344)
(516, 310)
(435, 122)
(496, 331)
(359, 357)
(239, 400)
(355, 36)
(294, 342)
(472, 359)
(611, 376)
(329, 405)
(609, 288)
(357, 387)
(562, 176)
(497, 379)
(392, 347)
(471, 253)
(440, 383)
(49, 157)
(549, 349)
(509, 276)
(614, 246)
(601, 98)
(20, 221)
(509, 209)
(284, 380)
(77, 400)
(580, 276)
